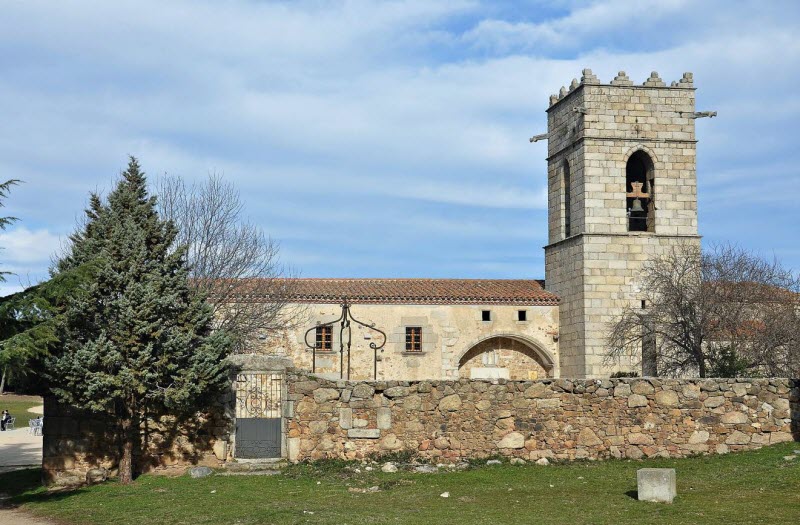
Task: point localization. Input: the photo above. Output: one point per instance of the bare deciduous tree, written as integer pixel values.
(725, 312)
(232, 260)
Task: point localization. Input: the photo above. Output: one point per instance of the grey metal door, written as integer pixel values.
(258, 415)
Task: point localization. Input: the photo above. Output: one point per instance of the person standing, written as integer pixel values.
(4, 418)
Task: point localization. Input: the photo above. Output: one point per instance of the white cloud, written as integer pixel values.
(23, 246)
(572, 30)
(350, 109)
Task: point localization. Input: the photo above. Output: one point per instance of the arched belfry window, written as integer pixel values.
(567, 200)
(640, 193)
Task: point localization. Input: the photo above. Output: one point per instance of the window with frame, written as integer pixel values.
(413, 339)
(325, 338)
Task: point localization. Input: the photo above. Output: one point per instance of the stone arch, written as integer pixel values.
(641, 147)
(506, 355)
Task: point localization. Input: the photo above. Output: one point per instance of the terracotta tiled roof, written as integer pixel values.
(418, 291)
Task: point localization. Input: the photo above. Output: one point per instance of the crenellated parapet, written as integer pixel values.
(622, 79)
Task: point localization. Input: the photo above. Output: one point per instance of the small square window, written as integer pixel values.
(522, 315)
(644, 304)
(413, 339)
(324, 338)
(486, 315)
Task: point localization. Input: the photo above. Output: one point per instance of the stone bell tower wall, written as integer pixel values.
(593, 130)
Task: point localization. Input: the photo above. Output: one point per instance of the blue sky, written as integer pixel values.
(381, 139)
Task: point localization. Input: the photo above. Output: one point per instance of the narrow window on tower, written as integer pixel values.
(639, 197)
(567, 201)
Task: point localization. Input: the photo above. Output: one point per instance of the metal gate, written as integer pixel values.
(258, 415)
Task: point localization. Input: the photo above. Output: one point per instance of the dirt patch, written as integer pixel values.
(18, 517)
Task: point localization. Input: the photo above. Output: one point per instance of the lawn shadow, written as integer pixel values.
(633, 494)
(18, 487)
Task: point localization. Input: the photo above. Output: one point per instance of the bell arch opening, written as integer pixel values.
(505, 357)
(640, 192)
(567, 182)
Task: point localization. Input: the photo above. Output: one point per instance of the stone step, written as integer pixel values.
(255, 465)
(249, 473)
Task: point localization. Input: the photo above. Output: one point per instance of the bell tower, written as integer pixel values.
(622, 189)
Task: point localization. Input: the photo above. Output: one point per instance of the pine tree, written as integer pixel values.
(135, 339)
(6, 359)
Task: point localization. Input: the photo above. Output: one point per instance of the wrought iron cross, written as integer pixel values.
(344, 321)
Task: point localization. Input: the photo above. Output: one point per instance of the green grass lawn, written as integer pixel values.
(18, 406)
(750, 487)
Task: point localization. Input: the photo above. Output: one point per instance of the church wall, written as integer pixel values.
(448, 332)
(564, 268)
(610, 284)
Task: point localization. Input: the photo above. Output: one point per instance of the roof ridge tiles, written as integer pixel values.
(414, 291)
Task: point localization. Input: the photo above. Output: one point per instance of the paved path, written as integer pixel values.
(18, 447)
(17, 517)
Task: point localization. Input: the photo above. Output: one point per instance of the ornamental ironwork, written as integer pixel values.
(345, 321)
(258, 395)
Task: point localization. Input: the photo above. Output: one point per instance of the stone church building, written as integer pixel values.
(414, 353)
(622, 189)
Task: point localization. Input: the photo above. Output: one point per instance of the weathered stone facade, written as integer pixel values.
(593, 131)
(562, 419)
(456, 342)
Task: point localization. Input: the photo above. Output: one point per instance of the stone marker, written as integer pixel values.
(99, 475)
(656, 484)
(200, 472)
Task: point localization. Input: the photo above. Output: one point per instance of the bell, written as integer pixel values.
(637, 205)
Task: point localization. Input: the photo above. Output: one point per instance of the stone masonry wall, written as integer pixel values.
(76, 442)
(562, 419)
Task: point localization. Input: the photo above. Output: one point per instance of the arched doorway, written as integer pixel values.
(505, 356)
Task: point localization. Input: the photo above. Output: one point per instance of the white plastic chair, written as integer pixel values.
(10, 424)
(35, 427)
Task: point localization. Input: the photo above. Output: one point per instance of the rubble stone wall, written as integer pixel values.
(451, 420)
(562, 419)
(80, 445)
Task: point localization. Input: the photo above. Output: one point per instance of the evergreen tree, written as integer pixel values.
(6, 359)
(29, 322)
(135, 340)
